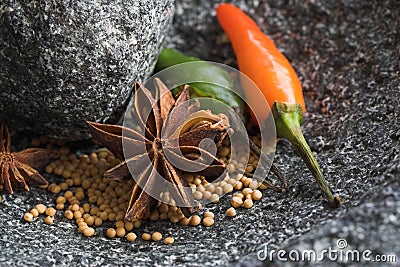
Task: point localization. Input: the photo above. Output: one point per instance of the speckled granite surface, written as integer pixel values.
(64, 62)
(347, 57)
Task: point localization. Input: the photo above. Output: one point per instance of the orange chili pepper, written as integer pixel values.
(269, 69)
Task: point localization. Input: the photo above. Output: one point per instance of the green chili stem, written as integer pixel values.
(288, 119)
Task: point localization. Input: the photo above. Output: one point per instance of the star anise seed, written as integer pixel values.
(171, 139)
(18, 168)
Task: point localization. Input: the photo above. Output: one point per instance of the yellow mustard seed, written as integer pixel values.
(51, 211)
(163, 216)
(60, 206)
(197, 181)
(185, 221)
(49, 220)
(77, 214)
(68, 194)
(201, 188)
(80, 195)
(207, 194)
(253, 185)
(120, 216)
(131, 237)
(82, 228)
(69, 214)
(82, 224)
(146, 236)
(66, 174)
(218, 190)
(195, 220)
(230, 168)
(197, 195)
(119, 224)
(28, 217)
(222, 184)
(163, 208)
(224, 151)
(89, 219)
(74, 207)
(249, 168)
(209, 214)
(34, 212)
(86, 184)
(231, 212)
(156, 236)
(214, 198)
(256, 195)
(69, 183)
(92, 199)
(73, 200)
(77, 181)
(111, 233)
(155, 215)
(103, 215)
(100, 200)
(231, 181)
(210, 188)
(236, 202)
(169, 240)
(247, 191)
(89, 231)
(238, 185)
(208, 221)
(248, 203)
(79, 220)
(48, 169)
(128, 226)
(98, 221)
(40, 208)
(137, 223)
(239, 195)
(102, 186)
(174, 218)
(247, 182)
(61, 199)
(120, 231)
(86, 207)
(58, 170)
(94, 210)
(239, 177)
(227, 188)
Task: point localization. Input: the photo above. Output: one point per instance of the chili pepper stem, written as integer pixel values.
(288, 118)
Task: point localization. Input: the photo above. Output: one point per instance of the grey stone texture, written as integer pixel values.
(64, 62)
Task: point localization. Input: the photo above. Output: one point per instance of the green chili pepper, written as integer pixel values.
(214, 80)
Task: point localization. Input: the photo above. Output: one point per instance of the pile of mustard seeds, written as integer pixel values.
(90, 200)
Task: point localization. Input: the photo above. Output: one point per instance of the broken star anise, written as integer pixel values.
(168, 144)
(17, 169)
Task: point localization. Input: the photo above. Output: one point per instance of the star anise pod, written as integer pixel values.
(168, 145)
(18, 168)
